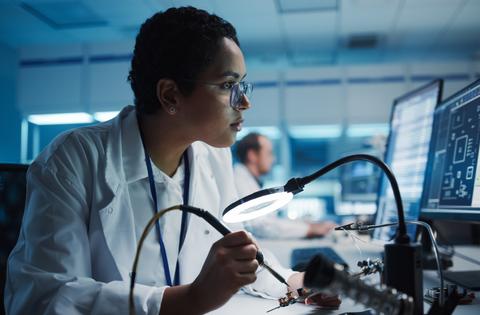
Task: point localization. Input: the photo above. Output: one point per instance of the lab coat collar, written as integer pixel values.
(132, 149)
(133, 158)
(125, 160)
(120, 217)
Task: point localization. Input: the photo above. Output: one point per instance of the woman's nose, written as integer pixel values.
(244, 103)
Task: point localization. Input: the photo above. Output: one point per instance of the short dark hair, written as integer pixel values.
(177, 44)
(247, 143)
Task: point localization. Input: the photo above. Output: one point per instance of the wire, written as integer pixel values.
(355, 242)
(296, 185)
(441, 296)
(207, 216)
(148, 228)
(358, 238)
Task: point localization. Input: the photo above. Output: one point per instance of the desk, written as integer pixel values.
(244, 304)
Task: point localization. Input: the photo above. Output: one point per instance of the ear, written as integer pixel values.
(252, 156)
(167, 95)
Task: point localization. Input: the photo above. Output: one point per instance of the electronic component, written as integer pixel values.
(324, 275)
(369, 267)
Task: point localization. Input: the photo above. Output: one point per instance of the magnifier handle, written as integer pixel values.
(220, 227)
(224, 231)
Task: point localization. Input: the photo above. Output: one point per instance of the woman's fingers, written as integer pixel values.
(322, 299)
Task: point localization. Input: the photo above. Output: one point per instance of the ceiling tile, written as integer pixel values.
(377, 17)
(292, 6)
(311, 31)
(63, 14)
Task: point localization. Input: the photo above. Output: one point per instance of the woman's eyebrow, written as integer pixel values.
(234, 74)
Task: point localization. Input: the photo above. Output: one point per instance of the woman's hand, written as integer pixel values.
(318, 298)
(230, 265)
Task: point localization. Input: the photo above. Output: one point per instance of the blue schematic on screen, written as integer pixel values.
(452, 187)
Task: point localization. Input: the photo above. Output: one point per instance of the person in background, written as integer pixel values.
(91, 192)
(255, 155)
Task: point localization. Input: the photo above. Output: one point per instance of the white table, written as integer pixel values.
(242, 304)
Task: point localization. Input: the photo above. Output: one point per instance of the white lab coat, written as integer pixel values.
(77, 242)
(269, 226)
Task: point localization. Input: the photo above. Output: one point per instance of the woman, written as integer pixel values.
(92, 190)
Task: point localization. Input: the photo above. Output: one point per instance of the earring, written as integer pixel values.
(172, 110)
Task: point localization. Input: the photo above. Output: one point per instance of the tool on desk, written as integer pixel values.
(289, 299)
(359, 226)
(302, 294)
(274, 273)
(325, 275)
(368, 267)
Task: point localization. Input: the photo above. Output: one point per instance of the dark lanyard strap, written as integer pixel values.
(183, 229)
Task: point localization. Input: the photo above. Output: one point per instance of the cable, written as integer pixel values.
(441, 297)
(148, 228)
(296, 185)
(355, 236)
(207, 216)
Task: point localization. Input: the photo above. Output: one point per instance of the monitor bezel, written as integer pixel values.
(437, 82)
(452, 214)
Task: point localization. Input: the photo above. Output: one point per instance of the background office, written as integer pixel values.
(325, 71)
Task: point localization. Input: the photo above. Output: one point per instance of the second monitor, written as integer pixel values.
(406, 154)
(452, 186)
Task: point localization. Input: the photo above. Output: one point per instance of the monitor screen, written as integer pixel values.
(359, 181)
(452, 186)
(406, 154)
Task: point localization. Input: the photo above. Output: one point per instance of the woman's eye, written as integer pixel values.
(227, 85)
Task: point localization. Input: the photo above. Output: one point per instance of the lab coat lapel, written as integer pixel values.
(200, 235)
(117, 216)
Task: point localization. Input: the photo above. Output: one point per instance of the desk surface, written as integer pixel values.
(244, 304)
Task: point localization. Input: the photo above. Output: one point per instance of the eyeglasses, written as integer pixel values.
(237, 91)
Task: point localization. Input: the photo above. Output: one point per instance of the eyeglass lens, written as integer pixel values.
(238, 91)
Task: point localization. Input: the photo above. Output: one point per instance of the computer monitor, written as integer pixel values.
(359, 181)
(406, 154)
(12, 202)
(452, 184)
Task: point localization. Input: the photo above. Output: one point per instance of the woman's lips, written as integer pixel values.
(237, 126)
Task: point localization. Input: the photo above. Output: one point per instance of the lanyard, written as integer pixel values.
(183, 229)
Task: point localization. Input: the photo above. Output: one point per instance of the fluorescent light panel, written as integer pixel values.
(60, 119)
(270, 132)
(104, 116)
(316, 131)
(367, 130)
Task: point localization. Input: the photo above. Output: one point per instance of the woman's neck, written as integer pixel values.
(164, 147)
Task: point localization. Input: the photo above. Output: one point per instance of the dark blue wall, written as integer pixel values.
(10, 119)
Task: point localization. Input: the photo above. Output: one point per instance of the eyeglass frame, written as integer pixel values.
(246, 91)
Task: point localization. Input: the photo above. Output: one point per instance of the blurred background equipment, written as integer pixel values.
(12, 201)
